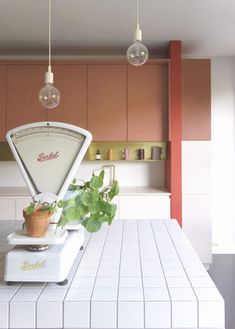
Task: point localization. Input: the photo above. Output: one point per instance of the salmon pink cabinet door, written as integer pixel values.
(107, 102)
(196, 99)
(147, 102)
(23, 85)
(2, 102)
(71, 80)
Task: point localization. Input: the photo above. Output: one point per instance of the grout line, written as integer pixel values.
(104, 241)
(154, 236)
(142, 280)
(119, 271)
(184, 271)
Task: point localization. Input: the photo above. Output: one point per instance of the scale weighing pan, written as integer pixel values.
(48, 155)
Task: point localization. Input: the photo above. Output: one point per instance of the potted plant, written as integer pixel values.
(89, 203)
(37, 218)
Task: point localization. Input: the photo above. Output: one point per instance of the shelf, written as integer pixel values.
(122, 160)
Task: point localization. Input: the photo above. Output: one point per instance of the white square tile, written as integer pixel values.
(211, 314)
(206, 294)
(156, 294)
(130, 271)
(51, 295)
(48, 319)
(130, 263)
(108, 271)
(87, 282)
(7, 294)
(103, 314)
(76, 315)
(178, 282)
(106, 282)
(196, 271)
(182, 294)
(130, 315)
(130, 294)
(79, 294)
(149, 255)
(109, 262)
(22, 314)
(157, 315)
(184, 314)
(155, 262)
(174, 271)
(202, 282)
(151, 282)
(86, 272)
(130, 282)
(26, 295)
(152, 271)
(104, 294)
(171, 263)
(4, 315)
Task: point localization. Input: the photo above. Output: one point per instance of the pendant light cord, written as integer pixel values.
(49, 33)
(137, 14)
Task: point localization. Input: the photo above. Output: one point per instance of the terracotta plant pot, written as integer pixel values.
(37, 223)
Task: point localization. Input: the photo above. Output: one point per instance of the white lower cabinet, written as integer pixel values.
(144, 207)
(197, 224)
(21, 203)
(7, 207)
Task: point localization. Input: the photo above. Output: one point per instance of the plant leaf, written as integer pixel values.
(92, 225)
(71, 214)
(114, 190)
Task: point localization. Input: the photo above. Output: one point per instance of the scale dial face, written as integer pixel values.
(47, 154)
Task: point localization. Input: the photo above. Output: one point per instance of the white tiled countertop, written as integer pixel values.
(133, 274)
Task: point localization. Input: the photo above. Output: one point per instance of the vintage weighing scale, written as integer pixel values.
(48, 155)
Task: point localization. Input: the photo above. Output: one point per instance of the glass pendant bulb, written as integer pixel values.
(49, 96)
(137, 53)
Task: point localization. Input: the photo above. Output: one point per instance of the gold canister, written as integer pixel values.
(110, 154)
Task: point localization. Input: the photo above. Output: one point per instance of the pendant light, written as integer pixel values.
(49, 96)
(137, 53)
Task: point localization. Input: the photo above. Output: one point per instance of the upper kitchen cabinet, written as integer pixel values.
(23, 85)
(107, 102)
(196, 99)
(2, 102)
(71, 80)
(147, 102)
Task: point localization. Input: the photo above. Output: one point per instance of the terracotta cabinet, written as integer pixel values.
(107, 102)
(2, 102)
(196, 99)
(71, 80)
(147, 102)
(23, 85)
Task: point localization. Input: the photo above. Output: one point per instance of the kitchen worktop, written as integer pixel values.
(133, 274)
(125, 190)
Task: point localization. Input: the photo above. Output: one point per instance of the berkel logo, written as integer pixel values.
(44, 157)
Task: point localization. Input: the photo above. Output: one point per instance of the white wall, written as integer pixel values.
(223, 154)
(128, 173)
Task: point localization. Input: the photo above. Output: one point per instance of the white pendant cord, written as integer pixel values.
(137, 15)
(49, 75)
(138, 32)
(49, 32)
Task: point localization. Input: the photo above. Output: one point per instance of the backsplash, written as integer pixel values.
(108, 150)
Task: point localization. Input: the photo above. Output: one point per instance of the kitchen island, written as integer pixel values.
(133, 274)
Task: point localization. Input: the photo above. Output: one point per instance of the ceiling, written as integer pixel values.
(106, 27)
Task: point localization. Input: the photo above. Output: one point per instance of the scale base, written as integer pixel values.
(51, 265)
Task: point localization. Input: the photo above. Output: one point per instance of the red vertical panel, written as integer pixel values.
(174, 175)
(2, 102)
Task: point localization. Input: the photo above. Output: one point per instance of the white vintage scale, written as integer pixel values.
(48, 155)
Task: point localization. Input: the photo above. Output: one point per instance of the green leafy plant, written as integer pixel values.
(90, 203)
(44, 207)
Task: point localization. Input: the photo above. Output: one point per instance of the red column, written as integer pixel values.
(173, 163)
